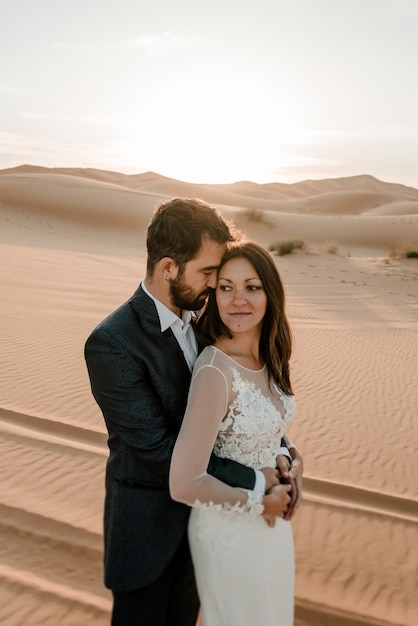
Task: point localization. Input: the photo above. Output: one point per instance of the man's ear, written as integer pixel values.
(168, 268)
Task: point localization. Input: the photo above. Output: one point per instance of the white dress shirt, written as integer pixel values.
(181, 327)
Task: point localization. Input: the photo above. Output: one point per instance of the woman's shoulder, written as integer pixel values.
(206, 357)
(213, 357)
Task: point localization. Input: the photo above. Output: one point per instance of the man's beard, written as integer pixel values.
(184, 297)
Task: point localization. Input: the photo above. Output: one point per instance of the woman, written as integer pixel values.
(240, 403)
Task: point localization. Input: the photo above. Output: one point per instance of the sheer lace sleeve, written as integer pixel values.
(189, 481)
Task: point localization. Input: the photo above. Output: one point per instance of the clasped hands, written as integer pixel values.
(283, 487)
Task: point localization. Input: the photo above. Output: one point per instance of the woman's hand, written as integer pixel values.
(276, 503)
(271, 475)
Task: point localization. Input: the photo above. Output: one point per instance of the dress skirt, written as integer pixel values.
(244, 569)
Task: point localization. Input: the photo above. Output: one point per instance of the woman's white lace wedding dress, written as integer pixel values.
(244, 568)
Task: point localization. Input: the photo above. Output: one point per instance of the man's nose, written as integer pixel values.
(212, 279)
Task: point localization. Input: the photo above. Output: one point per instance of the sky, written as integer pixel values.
(213, 91)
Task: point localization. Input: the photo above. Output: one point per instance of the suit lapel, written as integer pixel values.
(145, 307)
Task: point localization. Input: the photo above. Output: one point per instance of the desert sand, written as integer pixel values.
(72, 246)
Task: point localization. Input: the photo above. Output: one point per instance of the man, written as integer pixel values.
(139, 361)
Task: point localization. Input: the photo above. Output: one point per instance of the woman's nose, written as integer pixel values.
(238, 296)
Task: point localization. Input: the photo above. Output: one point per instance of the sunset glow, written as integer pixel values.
(266, 91)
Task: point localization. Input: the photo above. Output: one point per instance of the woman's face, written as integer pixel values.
(240, 296)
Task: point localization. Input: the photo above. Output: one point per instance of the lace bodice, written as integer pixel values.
(236, 413)
(251, 431)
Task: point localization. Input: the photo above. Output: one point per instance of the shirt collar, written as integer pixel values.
(166, 316)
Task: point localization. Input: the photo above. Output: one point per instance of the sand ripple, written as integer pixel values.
(72, 248)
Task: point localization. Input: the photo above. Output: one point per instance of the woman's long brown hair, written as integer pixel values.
(276, 335)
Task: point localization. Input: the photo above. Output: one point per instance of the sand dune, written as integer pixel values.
(72, 248)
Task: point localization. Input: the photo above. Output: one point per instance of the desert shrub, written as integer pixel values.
(286, 247)
(332, 249)
(406, 251)
(253, 215)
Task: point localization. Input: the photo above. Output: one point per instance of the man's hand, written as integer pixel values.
(290, 472)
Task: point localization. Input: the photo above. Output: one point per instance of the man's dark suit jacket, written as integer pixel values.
(140, 380)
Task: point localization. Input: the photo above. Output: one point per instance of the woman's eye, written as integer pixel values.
(224, 288)
(253, 287)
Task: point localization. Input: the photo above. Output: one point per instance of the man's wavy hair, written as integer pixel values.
(178, 228)
(276, 334)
